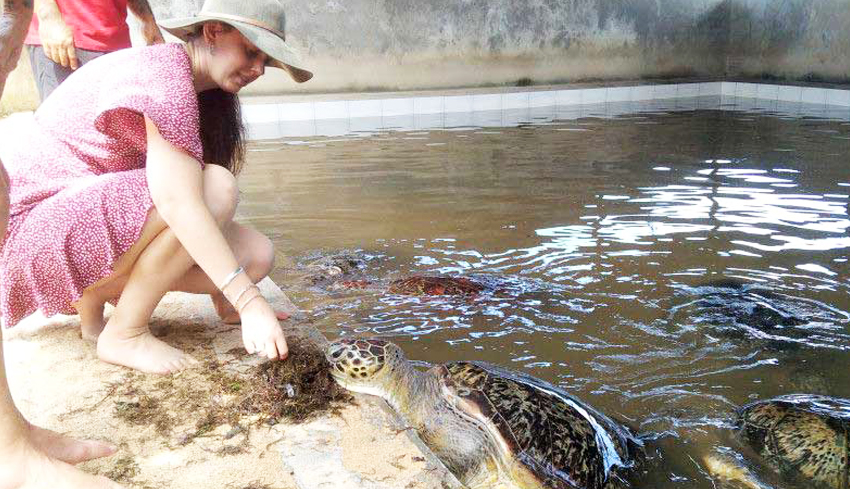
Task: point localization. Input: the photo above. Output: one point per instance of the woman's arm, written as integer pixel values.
(175, 181)
(13, 29)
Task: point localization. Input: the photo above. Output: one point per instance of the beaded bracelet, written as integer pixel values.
(230, 278)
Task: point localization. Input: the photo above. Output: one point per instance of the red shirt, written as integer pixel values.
(98, 25)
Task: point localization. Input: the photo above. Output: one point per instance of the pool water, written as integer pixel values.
(665, 267)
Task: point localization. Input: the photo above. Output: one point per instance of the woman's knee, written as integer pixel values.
(261, 258)
(221, 193)
(253, 250)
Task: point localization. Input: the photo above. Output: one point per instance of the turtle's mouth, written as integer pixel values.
(338, 376)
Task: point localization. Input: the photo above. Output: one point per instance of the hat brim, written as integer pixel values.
(280, 54)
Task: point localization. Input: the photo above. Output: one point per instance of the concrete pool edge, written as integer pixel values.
(259, 109)
(339, 114)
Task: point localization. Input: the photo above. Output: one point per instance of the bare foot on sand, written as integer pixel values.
(229, 315)
(140, 350)
(25, 466)
(68, 449)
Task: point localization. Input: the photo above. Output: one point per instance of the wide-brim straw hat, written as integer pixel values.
(261, 21)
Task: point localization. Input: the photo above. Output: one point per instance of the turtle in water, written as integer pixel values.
(743, 312)
(435, 285)
(417, 285)
(489, 426)
(328, 269)
(344, 272)
(802, 439)
(801, 333)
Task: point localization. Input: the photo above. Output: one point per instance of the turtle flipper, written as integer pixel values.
(727, 468)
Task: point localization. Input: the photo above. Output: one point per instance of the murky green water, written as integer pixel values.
(662, 267)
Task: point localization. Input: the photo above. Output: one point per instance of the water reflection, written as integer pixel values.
(665, 273)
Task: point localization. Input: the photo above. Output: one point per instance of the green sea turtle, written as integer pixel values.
(802, 440)
(489, 426)
(328, 269)
(344, 272)
(744, 312)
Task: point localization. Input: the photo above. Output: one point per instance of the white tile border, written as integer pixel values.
(740, 94)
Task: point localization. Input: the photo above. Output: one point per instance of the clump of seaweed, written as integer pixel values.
(145, 411)
(124, 470)
(199, 401)
(294, 390)
(253, 485)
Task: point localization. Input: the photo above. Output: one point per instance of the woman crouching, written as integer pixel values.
(125, 189)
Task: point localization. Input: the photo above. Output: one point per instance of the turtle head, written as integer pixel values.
(364, 365)
(333, 267)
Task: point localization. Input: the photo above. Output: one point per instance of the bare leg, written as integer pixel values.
(157, 263)
(126, 339)
(154, 268)
(253, 251)
(32, 457)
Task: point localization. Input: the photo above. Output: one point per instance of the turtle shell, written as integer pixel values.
(541, 432)
(802, 437)
(434, 285)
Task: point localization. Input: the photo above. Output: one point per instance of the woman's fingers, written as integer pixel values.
(282, 347)
(271, 350)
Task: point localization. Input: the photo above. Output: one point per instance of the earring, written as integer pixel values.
(212, 48)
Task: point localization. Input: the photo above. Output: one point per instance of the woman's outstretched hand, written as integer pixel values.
(261, 331)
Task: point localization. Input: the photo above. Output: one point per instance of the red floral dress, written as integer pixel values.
(79, 194)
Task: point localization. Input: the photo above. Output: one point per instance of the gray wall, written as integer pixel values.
(369, 45)
(790, 39)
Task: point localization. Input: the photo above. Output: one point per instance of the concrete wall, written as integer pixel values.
(790, 39)
(409, 44)
(369, 45)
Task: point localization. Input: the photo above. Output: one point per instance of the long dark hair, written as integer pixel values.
(222, 131)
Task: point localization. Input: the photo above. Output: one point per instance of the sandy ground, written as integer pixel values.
(59, 383)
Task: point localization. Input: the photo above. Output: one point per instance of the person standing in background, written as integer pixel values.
(66, 34)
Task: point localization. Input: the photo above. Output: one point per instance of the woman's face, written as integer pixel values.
(235, 61)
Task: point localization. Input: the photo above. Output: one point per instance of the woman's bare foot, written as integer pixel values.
(28, 468)
(229, 315)
(140, 350)
(67, 449)
(90, 309)
(37, 460)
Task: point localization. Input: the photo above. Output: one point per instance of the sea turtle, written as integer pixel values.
(435, 285)
(328, 269)
(801, 333)
(739, 311)
(489, 426)
(344, 272)
(802, 439)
